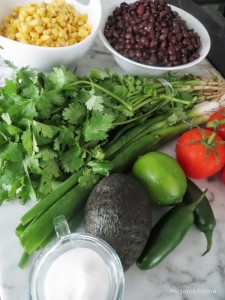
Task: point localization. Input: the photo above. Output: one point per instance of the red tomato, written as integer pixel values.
(219, 115)
(191, 151)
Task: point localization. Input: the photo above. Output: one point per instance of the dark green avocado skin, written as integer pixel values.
(119, 211)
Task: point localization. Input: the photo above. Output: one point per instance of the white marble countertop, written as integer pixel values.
(183, 275)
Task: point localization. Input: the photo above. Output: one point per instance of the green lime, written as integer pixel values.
(162, 177)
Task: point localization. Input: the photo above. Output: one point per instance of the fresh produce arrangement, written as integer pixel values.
(61, 134)
(150, 32)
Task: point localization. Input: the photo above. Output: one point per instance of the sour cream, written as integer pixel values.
(77, 274)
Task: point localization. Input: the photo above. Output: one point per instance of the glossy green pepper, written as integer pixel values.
(167, 234)
(204, 217)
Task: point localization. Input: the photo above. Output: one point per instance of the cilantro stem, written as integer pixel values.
(92, 84)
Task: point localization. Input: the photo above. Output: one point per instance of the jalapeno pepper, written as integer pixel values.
(204, 217)
(167, 234)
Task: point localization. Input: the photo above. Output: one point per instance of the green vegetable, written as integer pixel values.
(204, 217)
(162, 178)
(33, 236)
(125, 159)
(167, 234)
(51, 198)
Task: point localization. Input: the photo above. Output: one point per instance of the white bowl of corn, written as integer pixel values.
(45, 34)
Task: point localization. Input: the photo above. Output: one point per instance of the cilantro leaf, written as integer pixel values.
(96, 128)
(46, 154)
(30, 92)
(59, 77)
(50, 168)
(13, 152)
(71, 159)
(94, 102)
(25, 77)
(88, 179)
(44, 129)
(66, 137)
(44, 104)
(74, 113)
(6, 117)
(47, 185)
(10, 87)
(96, 74)
(101, 168)
(27, 141)
(31, 163)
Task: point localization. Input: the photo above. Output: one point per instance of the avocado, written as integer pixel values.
(119, 211)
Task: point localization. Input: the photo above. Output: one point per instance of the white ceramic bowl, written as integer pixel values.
(45, 58)
(136, 68)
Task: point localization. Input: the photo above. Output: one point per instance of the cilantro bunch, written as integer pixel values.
(54, 125)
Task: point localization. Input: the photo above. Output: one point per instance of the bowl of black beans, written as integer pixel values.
(151, 37)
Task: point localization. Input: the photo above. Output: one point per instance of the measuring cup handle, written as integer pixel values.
(61, 226)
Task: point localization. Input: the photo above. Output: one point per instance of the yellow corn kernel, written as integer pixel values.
(59, 18)
(55, 31)
(25, 28)
(45, 20)
(83, 32)
(34, 22)
(45, 37)
(34, 35)
(39, 29)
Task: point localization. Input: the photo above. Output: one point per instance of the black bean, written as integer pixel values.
(172, 57)
(179, 36)
(128, 35)
(173, 39)
(163, 36)
(131, 53)
(165, 30)
(185, 33)
(163, 44)
(171, 50)
(128, 46)
(150, 27)
(138, 53)
(161, 53)
(153, 43)
(141, 10)
(177, 46)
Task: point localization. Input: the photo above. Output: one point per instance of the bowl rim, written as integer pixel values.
(174, 68)
(82, 43)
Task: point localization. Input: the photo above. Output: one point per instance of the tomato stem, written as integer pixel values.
(211, 138)
(215, 123)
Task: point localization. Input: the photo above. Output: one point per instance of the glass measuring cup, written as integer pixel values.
(65, 242)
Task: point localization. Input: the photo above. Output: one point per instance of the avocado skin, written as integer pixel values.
(119, 211)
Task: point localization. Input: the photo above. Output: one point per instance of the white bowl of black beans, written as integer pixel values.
(151, 37)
